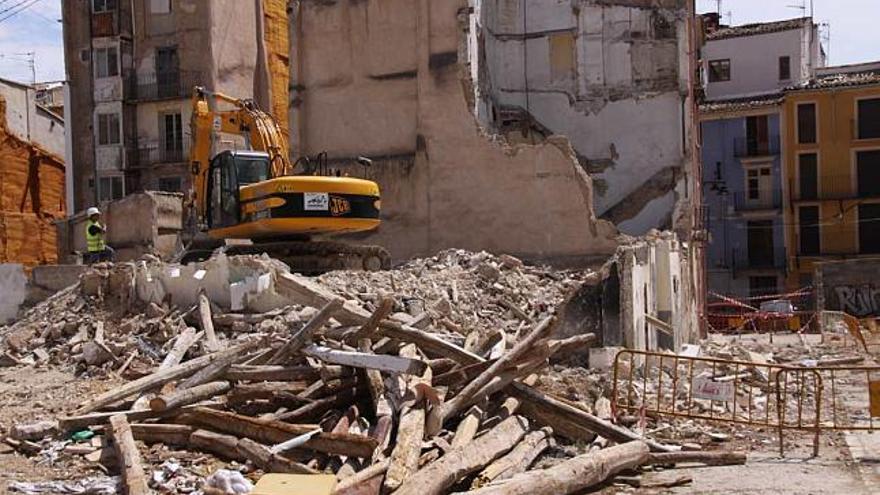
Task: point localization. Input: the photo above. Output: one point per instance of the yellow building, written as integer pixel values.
(831, 168)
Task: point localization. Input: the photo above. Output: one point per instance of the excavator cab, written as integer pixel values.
(229, 171)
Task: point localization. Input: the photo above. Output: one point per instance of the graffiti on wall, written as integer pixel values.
(857, 300)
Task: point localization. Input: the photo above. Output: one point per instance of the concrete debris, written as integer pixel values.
(460, 351)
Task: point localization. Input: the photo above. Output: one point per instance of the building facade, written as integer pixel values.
(756, 59)
(831, 143)
(742, 190)
(613, 77)
(132, 66)
(744, 71)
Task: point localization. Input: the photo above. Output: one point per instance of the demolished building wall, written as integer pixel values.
(31, 199)
(610, 75)
(386, 79)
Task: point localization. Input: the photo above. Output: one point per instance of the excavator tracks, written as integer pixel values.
(316, 257)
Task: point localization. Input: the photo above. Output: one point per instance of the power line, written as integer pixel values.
(22, 6)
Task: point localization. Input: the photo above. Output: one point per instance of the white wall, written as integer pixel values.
(754, 62)
(22, 112)
(622, 106)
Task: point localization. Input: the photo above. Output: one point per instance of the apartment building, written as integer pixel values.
(611, 75)
(831, 145)
(745, 69)
(132, 66)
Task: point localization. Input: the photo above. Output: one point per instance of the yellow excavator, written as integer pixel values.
(253, 194)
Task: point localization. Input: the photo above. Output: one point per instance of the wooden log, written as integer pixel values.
(319, 406)
(225, 446)
(134, 480)
(363, 482)
(218, 367)
(275, 391)
(228, 319)
(713, 458)
(573, 475)
(375, 384)
(271, 373)
(307, 291)
(562, 410)
(75, 423)
(300, 338)
(427, 342)
(468, 427)
(167, 434)
(564, 347)
(212, 343)
(410, 430)
(156, 379)
(517, 460)
(439, 414)
(184, 341)
(390, 364)
(438, 476)
(33, 431)
(272, 432)
(372, 324)
(185, 397)
(269, 462)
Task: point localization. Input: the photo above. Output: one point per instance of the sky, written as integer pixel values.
(32, 26)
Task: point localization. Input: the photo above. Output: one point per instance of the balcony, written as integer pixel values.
(754, 148)
(836, 187)
(165, 85)
(742, 260)
(147, 155)
(111, 22)
(766, 202)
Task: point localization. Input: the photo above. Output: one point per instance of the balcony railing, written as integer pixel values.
(157, 153)
(752, 148)
(835, 187)
(769, 200)
(743, 260)
(165, 85)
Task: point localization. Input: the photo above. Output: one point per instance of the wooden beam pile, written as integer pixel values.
(385, 406)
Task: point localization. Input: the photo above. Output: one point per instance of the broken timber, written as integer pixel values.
(133, 477)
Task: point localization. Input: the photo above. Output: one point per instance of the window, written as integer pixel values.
(103, 5)
(868, 171)
(106, 62)
(784, 68)
(562, 56)
(111, 188)
(869, 118)
(760, 243)
(108, 128)
(806, 124)
(160, 6)
(869, 228)
(808, 176)
(808, 218)
(170, 184)
(757, 136)
(719, 70)
(171, 127)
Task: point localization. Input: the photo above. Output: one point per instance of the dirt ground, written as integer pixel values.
(847, 464)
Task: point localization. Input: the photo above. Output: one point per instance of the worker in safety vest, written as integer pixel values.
(97, 247)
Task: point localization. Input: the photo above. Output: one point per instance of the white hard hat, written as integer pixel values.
(92, 211)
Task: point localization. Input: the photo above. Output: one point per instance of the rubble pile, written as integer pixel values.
(433, 378)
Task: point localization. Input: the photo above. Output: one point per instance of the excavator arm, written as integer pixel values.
(259, 129)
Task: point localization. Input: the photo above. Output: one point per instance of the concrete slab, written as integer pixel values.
(13, 290)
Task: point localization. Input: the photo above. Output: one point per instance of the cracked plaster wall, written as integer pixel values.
(617, 90)
(388, 79)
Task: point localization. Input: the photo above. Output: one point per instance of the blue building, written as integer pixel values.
(742, 192)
